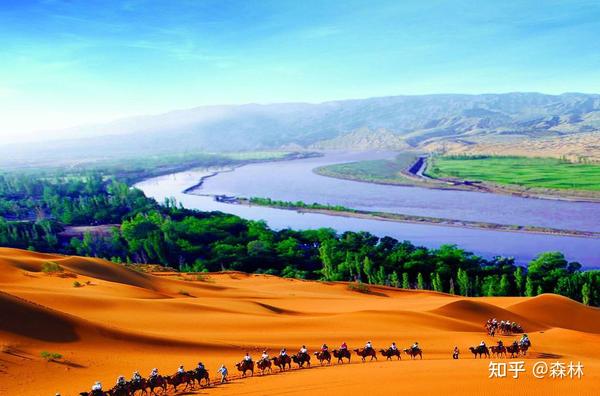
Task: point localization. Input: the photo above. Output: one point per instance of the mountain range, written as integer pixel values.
(392, 122)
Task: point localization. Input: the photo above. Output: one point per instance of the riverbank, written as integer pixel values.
(417, 174)
(337, 210)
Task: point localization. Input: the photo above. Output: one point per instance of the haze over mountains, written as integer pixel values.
(377, 123)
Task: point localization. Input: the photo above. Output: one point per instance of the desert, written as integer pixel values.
(122, 320)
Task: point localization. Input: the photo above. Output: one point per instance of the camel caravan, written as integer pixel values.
(504, 327)
(183, 381)
(517, 348)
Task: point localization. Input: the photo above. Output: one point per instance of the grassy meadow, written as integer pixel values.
(376, 171)
(550, 173)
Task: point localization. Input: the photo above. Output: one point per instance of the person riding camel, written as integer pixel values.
(368, 346)
(154, 373)
(415, 346)
(482, 344)
(265, 356)
(524, 339)
(455, 352)
(324, 348)
(200, 367)
(283, 352)
(97, 389)
(136, 377)
(344, 346)
(180, 371)
(303, 350)
(393, 347)
(247, 358)
(500, 343)
(121, 381)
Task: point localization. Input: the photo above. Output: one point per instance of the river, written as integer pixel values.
(295, 180)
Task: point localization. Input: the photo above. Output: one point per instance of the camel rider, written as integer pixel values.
(136, 377)
(154, 373)
(180, 371)
(247, 358)
(283, 352)
(368, 346)
(500, 343)
(393, 347)
(515, 344)
(265, 356)
(97, 387)
(524, 339)
(482, 344)
(455, 352)
(324, 348)
(200, 368)
(303, 350)
(121, 382)
(344, 346)
(415, 346)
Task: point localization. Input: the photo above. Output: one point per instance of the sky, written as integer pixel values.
(66, 62)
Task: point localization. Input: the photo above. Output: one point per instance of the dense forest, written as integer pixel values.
(37, 209)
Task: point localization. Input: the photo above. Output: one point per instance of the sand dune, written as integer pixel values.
(559, 311)
(122, 320)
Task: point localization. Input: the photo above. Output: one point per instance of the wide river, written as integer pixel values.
(296, 181)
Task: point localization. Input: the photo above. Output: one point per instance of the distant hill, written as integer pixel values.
(385, 122)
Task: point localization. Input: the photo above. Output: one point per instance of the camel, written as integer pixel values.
(364, 353)
(301, 359)
(341, 354)
(389, 353)
(245, 365)
(282, 361)
(323, 356)
(264, 365)
(414, 352)
(480, 350)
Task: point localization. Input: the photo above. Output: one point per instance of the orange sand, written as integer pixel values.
(125, 321)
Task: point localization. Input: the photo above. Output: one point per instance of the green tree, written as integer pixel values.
(326, 255)
(405, 281)
(368, 269)
(434, 284)
(504, 288)
(586, 293)
(394, 280)
(529, 287)
(380, 276)
(420, 281)
(451, 287)
(464, 283)
(519, 279)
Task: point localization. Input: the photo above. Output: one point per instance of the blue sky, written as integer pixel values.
(70, 62)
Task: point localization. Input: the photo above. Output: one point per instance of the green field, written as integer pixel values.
(377, 171)
(549, 173)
